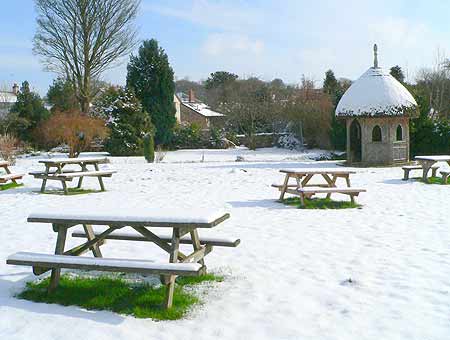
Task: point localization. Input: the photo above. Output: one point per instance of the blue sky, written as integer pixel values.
(264, 38)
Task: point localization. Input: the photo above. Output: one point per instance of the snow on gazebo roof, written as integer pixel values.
(376, 93)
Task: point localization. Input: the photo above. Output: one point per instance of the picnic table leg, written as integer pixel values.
(63, 182)
(80, 180)
(44, 181)
(426, 168)
(302, 199)
(196, 244)
(170, 287)
(100, 179)
(90, 236)
(59, 249)
(9, 173)
(331, 182)
(347, 179)
(284, 188)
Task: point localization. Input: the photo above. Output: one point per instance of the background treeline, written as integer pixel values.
(122, 118)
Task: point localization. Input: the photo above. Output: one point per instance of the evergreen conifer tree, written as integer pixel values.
(126, 119)
(30, 110)
(152, 80)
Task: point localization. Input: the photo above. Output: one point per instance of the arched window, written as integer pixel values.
(376, 134)
(399, 133)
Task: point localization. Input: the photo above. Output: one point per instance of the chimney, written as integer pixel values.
(191, 96)
(15, 89)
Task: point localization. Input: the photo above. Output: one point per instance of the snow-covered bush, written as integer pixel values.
(126, 119)
(289, 142)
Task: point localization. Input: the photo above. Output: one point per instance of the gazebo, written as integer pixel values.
(377, 109)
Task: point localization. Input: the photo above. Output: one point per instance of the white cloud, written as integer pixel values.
(232, 44)
(221, 14)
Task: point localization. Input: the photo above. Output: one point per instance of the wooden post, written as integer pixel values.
(59, 249)
(100, 179)
(170, 287)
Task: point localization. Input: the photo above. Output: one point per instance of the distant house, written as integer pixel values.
(190, 110)
(7, 99)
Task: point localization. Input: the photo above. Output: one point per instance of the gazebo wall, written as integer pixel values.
(387, 152)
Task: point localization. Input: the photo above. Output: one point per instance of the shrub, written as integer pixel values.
(8, 148)
(430, 136)
(73, 128)
(149, 148)
(126, 119)
(187, 136)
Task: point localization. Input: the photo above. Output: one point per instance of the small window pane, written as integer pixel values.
(399, 133)
(376, 134)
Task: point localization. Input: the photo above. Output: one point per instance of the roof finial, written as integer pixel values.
(375, 56)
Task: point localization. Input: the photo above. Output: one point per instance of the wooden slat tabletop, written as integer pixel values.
(318, 171)
(188, 220)
(438, 158)
(74, 160)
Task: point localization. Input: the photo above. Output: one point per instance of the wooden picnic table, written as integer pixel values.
(428, 161)
(54, 170)
(9, 175)
(180, 224)
(303, 177)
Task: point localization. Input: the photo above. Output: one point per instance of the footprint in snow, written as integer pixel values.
(348, 282)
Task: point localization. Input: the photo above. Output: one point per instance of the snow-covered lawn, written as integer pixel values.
(289, 278)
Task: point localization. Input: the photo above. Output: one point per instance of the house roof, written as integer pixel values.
(376, 93)
(198, 106)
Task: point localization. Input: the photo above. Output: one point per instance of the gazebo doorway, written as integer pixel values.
(355, 141)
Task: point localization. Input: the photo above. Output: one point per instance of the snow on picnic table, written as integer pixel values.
(380, 272)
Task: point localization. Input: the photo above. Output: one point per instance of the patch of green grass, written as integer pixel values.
(72, 191)
(320, 203)
(192, 280)
(119, 296)
(10, 186)
(434, 180)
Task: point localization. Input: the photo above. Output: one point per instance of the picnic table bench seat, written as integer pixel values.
(408, 168)
(310, 191)
(129, 236)
(104, 264)
(100, 173)
(321, 190)
(10, 177)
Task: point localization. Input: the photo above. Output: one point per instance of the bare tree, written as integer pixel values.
(249, 108)
(80, 39)
(436, 84)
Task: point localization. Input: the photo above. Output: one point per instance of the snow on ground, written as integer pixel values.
(289, 277)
